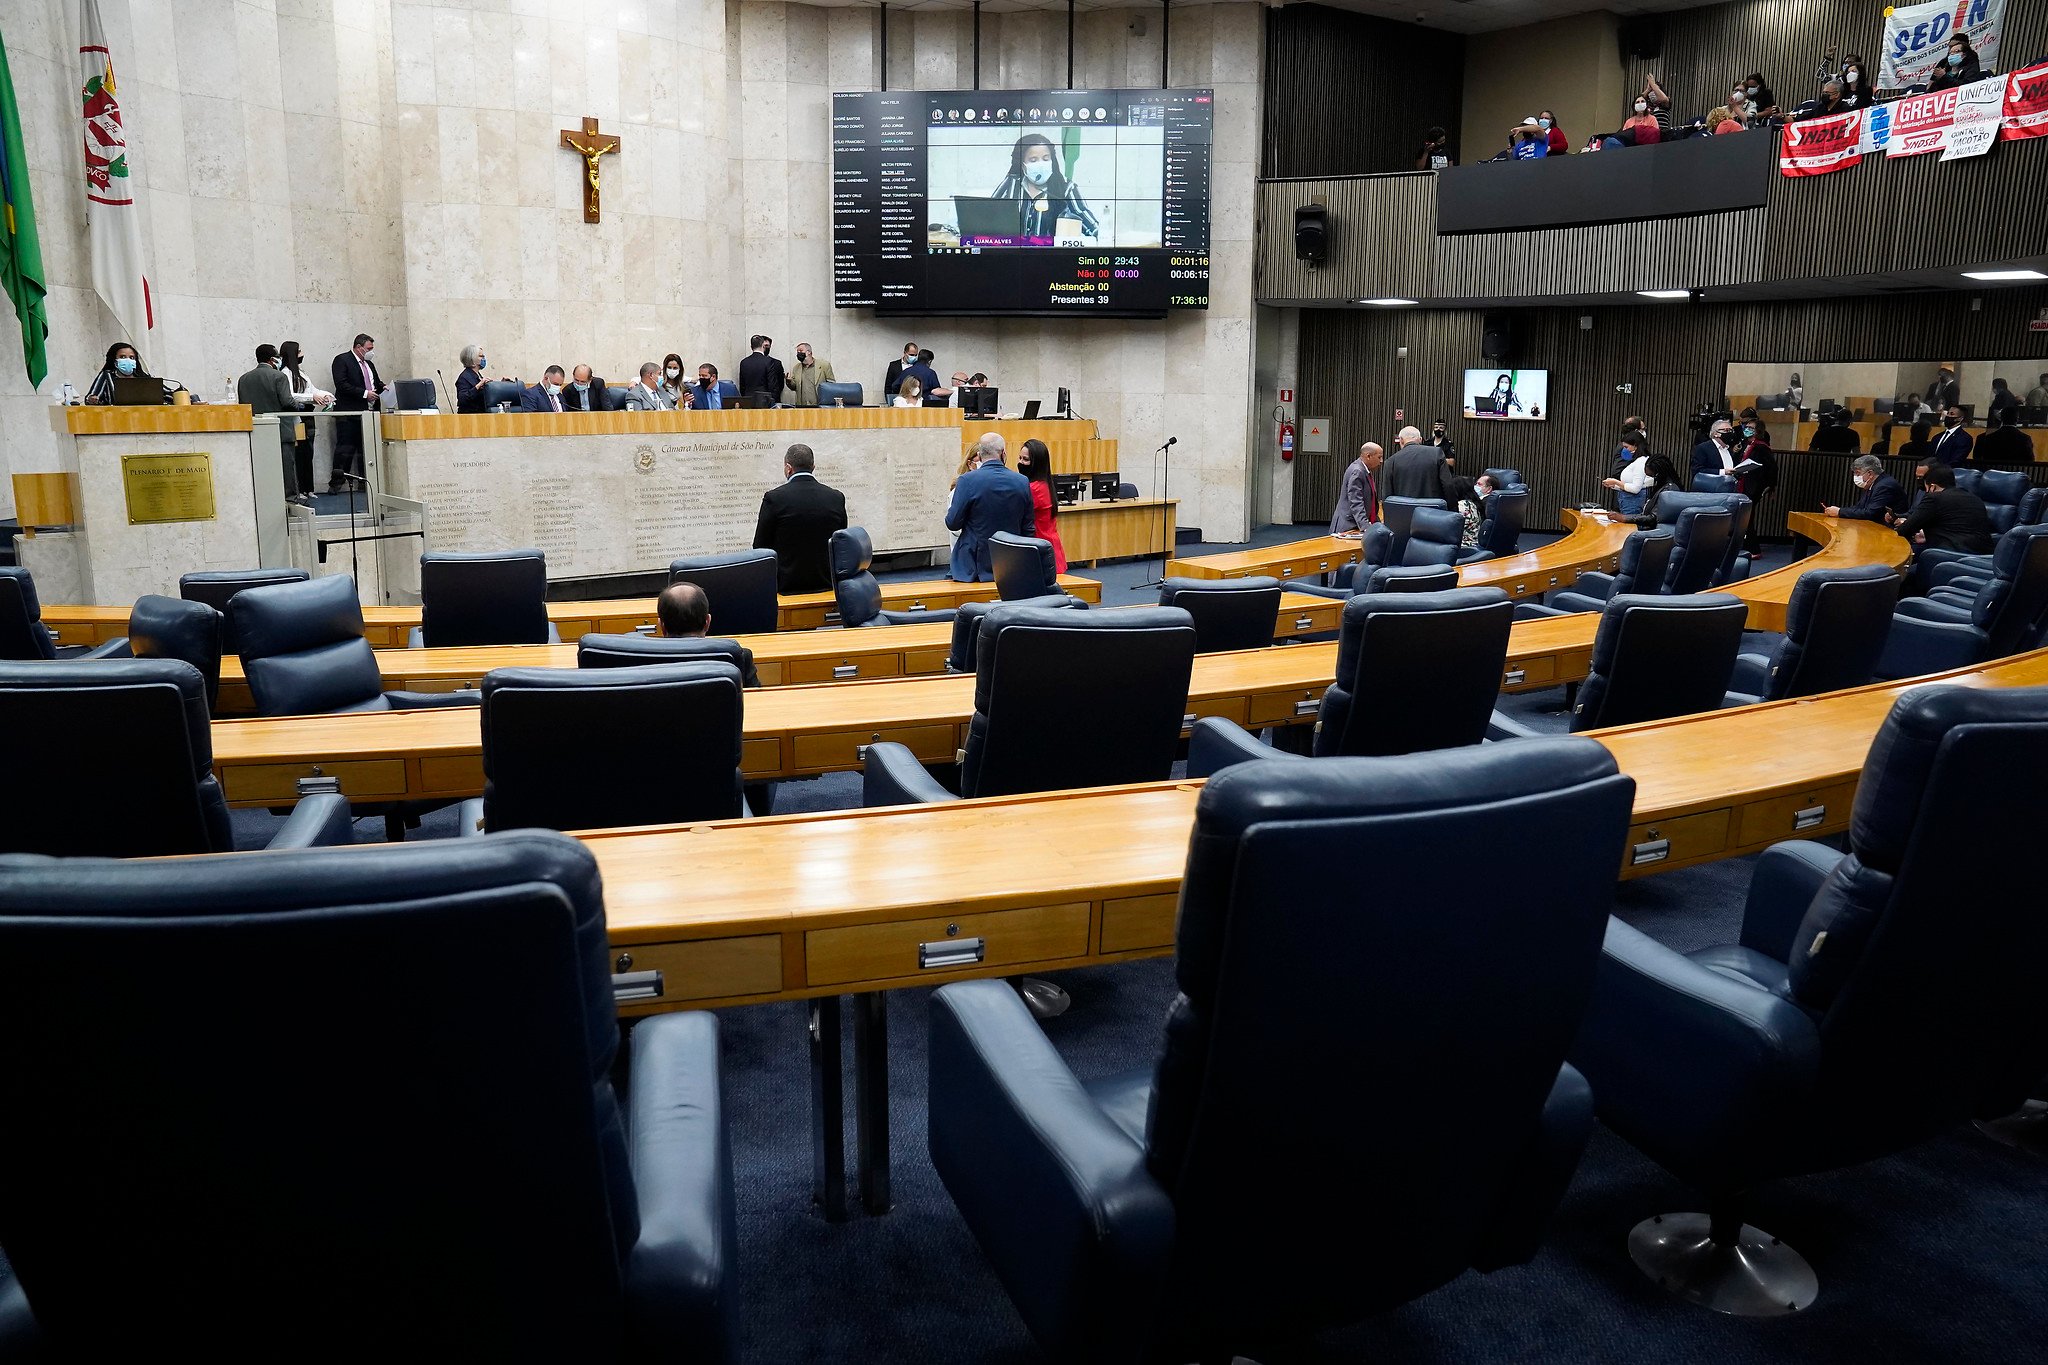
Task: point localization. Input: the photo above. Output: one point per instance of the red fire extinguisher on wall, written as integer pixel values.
(1287, 440)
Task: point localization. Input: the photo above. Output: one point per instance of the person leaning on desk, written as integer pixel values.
(123, 363)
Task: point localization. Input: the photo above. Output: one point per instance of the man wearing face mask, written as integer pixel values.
(1952, 447)
(761, 373)
(650, 394)
(710, 393)
(586, 392)
(545, 396)
(356, 386)
(267, 389)
(1944, 391)
(1878, 494)
(892, 381)
(1711, 455)
(808, 373)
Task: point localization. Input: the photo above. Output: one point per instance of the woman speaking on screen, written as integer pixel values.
(1043, 195)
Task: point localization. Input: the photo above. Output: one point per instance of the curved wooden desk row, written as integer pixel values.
(855, 901)
(388, 627)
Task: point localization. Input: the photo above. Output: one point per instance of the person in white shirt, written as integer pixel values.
(1634, 476)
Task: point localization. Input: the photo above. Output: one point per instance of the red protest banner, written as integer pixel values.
(2026, 104)
(1817, 146)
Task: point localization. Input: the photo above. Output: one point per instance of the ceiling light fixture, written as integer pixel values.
(1665, 293)
(2004, 275)
(1387, 303)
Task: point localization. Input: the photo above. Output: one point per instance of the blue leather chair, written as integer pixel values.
(967, 619)
(741, 586)
(1136, 1217)
(303, 652)
(122, 752)
(488, 597)
(1397, 514)
(174, 628)
(498, 391)
(1836, 624)
(854, 587)
(839, 393)
(1061, 699)
(22, 632)
(638, 651)
(1022, 567)
(2001, 491)
(1437, 537)
(1507, 478)
(1710, 528)
(1415, 672)
(398, 1162)
(1716, 483)
(1229, 613)
(680, 722)
(1375, 544)
(1954, 568)
(1654, 657)
(1411, 578)
(2033, 507)
(1875, 999)
(1953, 629)
(1640, 568)
(1500, 530)
(217, 587)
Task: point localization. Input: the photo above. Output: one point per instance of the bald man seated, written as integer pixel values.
(685, 614)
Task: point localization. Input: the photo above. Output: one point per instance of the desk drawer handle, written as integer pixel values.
(1521, 588)
(951, 952)
(1553, 580)
(1516, 675)
(1187, 720)
(1655, 851)
(316, 784)
(644, 628)
(1323, 565)
(1287, 571)
(636, 986)
(1304, 622)
(830, 617)
(916, 606)
(1810, 818)
(1308, 708)
(846, 670)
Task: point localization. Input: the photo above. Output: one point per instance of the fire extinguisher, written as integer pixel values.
(1287, 440)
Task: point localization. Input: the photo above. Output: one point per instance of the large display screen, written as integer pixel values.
(1021, 201)
(1507, 395)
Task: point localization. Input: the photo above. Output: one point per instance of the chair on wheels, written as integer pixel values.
(1397, 514)
(1036, 670)
(1120, 1214)
(967, 618)
(1716, 483)
(1375, 543)
(1229, 613)
(490, 597)
(1415, 672)
(1957, 626)
(638, 651)
(554, 741)
(1022, 566)
(1505, 479)
(1835, 629)
(2001, 490)
(174, 628)
(741, 587)
(1640, 568)
(855, 590)
(217, 587)
(22, 632)
(395, 1164)
(1500, 529)
(1875, 999)
(303, 652)
(1437, 537)
(122, 756)
(1387, 578)
(1653, 658)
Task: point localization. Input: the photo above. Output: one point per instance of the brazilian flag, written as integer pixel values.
(21, 252)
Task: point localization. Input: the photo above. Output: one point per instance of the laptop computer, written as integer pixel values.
(992, 222)
(1031, 411)
(756, 400)
(139, 391)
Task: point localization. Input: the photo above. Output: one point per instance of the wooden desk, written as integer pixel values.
(784, 658)
(1093, 531)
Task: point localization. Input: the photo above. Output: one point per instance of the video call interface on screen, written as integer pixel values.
(1032, 201)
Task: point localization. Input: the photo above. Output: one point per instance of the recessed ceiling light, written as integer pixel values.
(1387, 303)
(2004, 275)
(1665, 293)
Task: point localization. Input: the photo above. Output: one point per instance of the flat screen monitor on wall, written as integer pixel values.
(1046, 202)
(1507, 395)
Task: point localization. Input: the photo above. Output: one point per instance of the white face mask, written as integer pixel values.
(673, 372)
(1749, 90)
(1038, 172)
(1642, 106)
(1862, 480)
(1850, 75)
(1543, 123)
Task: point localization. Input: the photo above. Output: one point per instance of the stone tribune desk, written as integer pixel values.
(610, 493)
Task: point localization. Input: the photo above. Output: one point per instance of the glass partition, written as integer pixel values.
(1870, 398)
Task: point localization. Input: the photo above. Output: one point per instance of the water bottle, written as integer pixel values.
(227, 389)
(69, 397)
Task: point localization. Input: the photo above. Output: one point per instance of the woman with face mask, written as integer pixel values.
(1559, 143)
(293, 361)
(1756, 93)
(1959, 67)
(1753, 442)
(122, 363)
(1042, 194)
(1640, 128)
(1856, 83)
(672, 377)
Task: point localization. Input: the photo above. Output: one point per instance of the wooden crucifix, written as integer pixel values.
(589, 144)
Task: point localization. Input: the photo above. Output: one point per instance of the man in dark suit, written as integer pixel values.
(798, 517)
(1707, 456)
(1948, 518)
(356, 385)
(684, 612)
(1415, 470)
(893, 380)
(545, 396)
(1878, 493)
(2004, 443)
(1834, 436)
(586, 392)
(1944, 392)
(990, 497)
(1952, 447)
(761, 373)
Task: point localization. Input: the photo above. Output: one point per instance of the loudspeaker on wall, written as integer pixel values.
(1497, 337)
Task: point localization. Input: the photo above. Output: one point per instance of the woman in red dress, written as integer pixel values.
(1035, 463)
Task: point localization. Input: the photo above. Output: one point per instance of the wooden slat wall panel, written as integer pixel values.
(1383, 237)
(1608, 258)
(1349, 94)
(1673, 354)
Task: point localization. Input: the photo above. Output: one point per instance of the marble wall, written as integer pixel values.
(315, 168)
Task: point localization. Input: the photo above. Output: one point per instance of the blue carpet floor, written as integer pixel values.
(1939, 1254)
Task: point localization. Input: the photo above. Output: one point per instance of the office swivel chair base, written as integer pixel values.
(2026, 1128)
(1044, 999)
(1742, 1271)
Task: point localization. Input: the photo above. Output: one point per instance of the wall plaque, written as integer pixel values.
(162, 488)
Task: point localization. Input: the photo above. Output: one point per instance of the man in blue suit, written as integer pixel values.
(990, 497)
(1711, 455)
(545, 396)
(710, 393)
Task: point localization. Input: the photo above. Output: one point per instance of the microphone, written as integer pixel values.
(444, 388)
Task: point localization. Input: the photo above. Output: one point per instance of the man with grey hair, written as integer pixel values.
(649, 395)
(988, 498)
(1416, 470)
(1878, 492)
(1711, 456)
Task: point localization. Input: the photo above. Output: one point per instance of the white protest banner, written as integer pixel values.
(1921, 123)
(1975, 124)
(1916, 38)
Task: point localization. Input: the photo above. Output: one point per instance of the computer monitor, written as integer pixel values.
(1066, 489)
(414, 395)
(938, 400)
(1103, 487)
(980, 402)
(1066, 405)
(139, 391)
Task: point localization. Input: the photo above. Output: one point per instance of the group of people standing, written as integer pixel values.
(1417, 469)
(989, 496)
(1739, 447)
